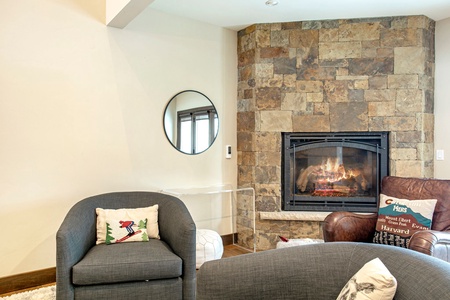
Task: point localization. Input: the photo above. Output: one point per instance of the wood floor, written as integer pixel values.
(228, 251)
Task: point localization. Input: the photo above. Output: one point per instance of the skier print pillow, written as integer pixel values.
(126, 231)
(399, 219)
(128, 214)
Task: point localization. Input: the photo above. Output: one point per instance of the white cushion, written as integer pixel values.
(209, 246)
(128, 214)
(372, 282)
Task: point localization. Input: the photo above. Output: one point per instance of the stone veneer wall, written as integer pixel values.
(330, 76)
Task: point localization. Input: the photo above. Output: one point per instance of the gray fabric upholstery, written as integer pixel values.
(77, 235)
(127, 262)
(319, 271)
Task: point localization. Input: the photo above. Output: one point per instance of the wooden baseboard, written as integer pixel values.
(27, 280)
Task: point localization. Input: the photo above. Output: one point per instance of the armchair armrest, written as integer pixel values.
(351, 227)
(432, 242)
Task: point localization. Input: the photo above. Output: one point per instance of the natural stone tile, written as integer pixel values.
(246, 158)
(279, 38)
(269, 158)
(336, 91)
(305, 229)
(268, 98)
(311, 123)
(409, 101)
(268, 141)
(380, 95)
(403, 154)
(369, 53)
(265, 189)
(377, 124)
(385, 52)
(276, 121)
(308, 56)
(262, 38)
(403, 81)
(408, 168)
(329, 35)
(425, 124)
(321, 109)
(294, 101)
(338, 50)
(419, 22)
(359, 32)
(245, 141)
(361, 84)
(399, 37)
(267, 174)
(304, 38)
(371, 66)
(245, 105)
(349, 116)
(408, 137)
(409, 60)
(314, 97)
(381, 109)
(315, 72)
(307, 86)
(245, 73)
(399, 123)
(266, 203)
(271, 52)
(248, 93)
(247, 42)
(246, 58)
(289, 80)
(378, 82)
(356, 95)
(425, 151)
(246, 121)
(285, 65)
(245, 174)
(264, 70)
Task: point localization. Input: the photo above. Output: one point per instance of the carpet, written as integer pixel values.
(45, 293)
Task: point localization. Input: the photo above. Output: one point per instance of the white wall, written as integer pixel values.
(81, 109)
(442, 98)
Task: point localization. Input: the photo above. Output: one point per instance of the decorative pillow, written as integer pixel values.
(150, 214)
(126, 231)
(372, 281)
(399, 219)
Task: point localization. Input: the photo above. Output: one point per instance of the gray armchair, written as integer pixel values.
(158, 269)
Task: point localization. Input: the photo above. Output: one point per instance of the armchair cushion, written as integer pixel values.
(399, 219)
(126, 262)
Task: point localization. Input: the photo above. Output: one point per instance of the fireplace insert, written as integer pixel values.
(333, 171)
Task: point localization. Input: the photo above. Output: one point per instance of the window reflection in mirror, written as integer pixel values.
(190, 122)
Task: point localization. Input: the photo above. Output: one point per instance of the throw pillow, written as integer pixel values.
(372, 281)
(126, 231)
(128, 214)
(399, 219)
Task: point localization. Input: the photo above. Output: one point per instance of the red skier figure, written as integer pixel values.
(128, 225)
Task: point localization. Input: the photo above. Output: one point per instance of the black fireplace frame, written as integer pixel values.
(375, 142)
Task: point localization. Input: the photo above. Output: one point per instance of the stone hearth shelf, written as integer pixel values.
(294, 215)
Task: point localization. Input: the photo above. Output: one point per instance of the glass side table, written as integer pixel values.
(222, 208)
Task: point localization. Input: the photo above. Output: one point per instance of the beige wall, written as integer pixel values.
(81, 110)
(442, 98)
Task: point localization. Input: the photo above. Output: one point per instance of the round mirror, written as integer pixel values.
(191, 123)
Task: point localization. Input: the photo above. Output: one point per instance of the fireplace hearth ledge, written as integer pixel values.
(318, 216)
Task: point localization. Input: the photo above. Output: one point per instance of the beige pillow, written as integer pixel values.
(372, 282)
(125, 231)
(128, 214)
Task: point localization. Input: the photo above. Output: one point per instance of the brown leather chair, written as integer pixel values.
(348, 226)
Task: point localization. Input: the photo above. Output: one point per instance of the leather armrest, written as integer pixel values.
(432, 242)
(348, 226)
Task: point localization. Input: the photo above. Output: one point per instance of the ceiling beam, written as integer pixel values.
(119, 13)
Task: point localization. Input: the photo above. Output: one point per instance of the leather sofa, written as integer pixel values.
(319, 271)
(348, 226)
(158, 269)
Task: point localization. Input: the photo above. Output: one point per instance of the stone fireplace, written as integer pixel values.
(358, 75)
